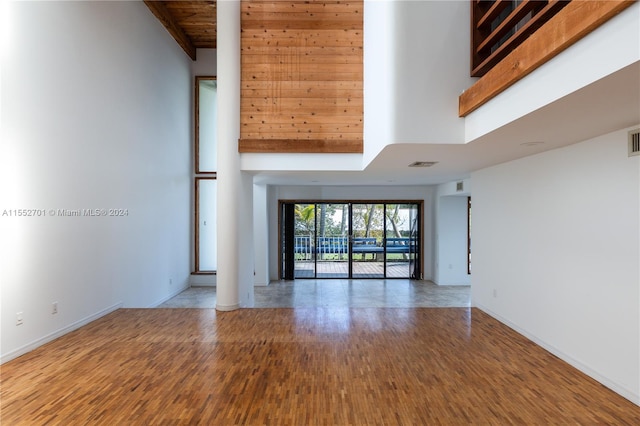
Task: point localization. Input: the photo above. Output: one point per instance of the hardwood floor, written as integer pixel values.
(301, 366)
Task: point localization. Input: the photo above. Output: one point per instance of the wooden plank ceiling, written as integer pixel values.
(302, 76)
(191, 23)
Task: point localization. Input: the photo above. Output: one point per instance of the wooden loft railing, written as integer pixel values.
(500, 26)
(574, 20)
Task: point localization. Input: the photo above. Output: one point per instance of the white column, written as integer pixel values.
(246, 273)
(229, 175)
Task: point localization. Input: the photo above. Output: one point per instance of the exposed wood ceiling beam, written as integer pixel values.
(162, 13)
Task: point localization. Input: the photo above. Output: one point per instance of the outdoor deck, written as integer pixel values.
(340, 269)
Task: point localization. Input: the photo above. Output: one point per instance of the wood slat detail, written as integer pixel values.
(311, 85)
(492, 13)
(289, 104)
(306, 92)
(303, 50)
(309, 146)
(197, 19)
(294, 59)
(284, 75)
(539, 19)
(301, 38)
(306, 7)
(520, 12)
(303, 68)
(297, 118)
(323, 128)
(160, 11)
(302, 24)
(569, 25)
(302, 76)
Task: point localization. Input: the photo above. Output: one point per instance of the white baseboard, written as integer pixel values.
(58, 333)
(621, 390)
(226, 308)
(164, 299)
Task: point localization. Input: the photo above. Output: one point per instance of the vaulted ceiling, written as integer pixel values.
(606, 105)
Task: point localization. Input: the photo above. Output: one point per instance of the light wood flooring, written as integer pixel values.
(302, 366)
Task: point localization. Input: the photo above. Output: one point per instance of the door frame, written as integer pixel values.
(421, 221)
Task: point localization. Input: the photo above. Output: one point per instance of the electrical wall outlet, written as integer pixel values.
(19, 318)
(54, 308)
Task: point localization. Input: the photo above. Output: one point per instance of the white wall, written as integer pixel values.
(206, 63)
(378, 77)
(426, 85)
(556, 249)
(317, 193)
(414, 72)
(96, 101)
(261, 215)
(451, 241)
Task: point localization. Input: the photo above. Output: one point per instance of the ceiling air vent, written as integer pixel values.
(423, 164)
(634, 142)
(459, 186)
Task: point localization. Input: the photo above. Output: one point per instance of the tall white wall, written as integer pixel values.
(414, 72)
(556, 249)
(451, 264)
(378, 193)
(430, 70)
(378, 77)
(96, 100)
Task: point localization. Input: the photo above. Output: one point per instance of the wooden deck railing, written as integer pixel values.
(499, 26)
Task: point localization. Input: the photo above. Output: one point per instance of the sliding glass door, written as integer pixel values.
(402, 241)
(351, 240)
(367, 249)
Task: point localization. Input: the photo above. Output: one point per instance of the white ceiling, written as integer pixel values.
(606, 105)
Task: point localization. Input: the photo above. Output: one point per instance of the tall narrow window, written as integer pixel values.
(205, 167)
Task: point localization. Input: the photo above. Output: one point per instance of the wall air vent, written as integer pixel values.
(459, 186)
(423, 163)
(634, 142)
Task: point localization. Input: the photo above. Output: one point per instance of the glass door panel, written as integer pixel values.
(332, 241)
(367, 254)
(304, 240)
(415, 262)
(398, 239)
